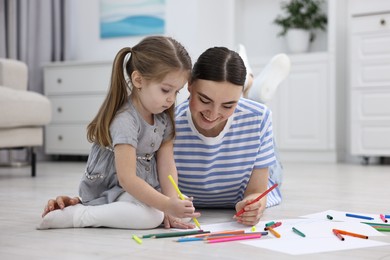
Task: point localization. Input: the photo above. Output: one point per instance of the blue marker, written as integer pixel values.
(358, 216)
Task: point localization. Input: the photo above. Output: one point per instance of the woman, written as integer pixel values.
(224, 143)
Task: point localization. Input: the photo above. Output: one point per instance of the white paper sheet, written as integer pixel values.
(319, 235)
(340, 216)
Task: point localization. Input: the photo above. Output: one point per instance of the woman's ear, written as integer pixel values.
(136, 79)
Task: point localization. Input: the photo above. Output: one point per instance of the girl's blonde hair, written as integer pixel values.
(154, 57)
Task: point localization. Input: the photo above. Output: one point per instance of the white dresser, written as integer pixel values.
(369, 58)
(76, 91)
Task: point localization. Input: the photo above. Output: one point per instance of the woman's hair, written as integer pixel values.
(154, 57)
(219, 64)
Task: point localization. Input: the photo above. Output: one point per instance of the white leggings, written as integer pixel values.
(125, 212)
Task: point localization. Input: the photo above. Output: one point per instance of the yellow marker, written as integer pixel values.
(182, 197)
(253, 228)
(137, 239)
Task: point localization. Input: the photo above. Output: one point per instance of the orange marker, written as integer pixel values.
(276, 234)
(350, 234)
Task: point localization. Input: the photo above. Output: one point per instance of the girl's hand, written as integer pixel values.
(60, 203)
(252, 213)
(181, 208)
(172, 222)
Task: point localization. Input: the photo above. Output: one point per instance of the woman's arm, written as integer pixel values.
(256, 186)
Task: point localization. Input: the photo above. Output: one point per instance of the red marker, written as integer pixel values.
(277, 224)
(257, 199)
(338, 234)
(383, 218)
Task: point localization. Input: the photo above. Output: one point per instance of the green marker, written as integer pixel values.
(298, 232)
(329, 217)
(269, 224)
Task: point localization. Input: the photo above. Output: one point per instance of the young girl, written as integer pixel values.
(132, 152)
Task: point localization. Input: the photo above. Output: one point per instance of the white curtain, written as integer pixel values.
(33, 32)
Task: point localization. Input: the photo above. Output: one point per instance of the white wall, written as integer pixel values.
(197, 24)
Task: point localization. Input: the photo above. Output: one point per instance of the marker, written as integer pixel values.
(383, 218)
(383, 229)
(181, 197)
(244, 235)
(175, 234)
(257, 199)
(277, 224)
(358, 216)
(269, 223)
(227, 232)
(298, 232)
(253, 229)
(137, 239)
(387, 216)
(338, 234)
(276, 234)
(350, 234)
(234, 238)
(189, 239)
(329, 217)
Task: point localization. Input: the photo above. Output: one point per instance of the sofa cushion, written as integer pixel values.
(20, 108)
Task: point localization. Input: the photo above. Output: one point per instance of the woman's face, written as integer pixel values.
(211, 104)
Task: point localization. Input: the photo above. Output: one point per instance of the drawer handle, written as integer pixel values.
(383, 22)
(60, 138)
(59, 80)
(59, 109)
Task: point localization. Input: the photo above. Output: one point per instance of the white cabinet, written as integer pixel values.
(76, 91)
(304, 105)
(308, 110)
(303, 119)
(370, 81)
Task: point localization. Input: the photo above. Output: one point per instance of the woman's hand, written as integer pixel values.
(60, 203)
(252, 213)
(172, 222)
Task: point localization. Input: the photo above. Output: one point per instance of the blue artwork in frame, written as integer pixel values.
(122, 18)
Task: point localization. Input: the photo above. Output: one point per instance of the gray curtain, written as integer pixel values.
(33, 32)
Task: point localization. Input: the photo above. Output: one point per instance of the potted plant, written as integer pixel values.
(302, 18)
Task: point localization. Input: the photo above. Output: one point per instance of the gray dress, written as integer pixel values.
(99, 184)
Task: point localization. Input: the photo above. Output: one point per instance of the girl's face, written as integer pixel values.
(211, 104)
(156, 97)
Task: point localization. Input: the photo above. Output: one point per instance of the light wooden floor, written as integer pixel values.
(307, 188)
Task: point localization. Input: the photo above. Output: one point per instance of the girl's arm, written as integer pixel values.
(166, 166)
(125, 163)
(256, 186)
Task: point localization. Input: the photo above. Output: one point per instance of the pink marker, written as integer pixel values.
(234, 238)
(383, 218)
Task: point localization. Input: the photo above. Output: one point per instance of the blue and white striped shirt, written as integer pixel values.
(216, 170)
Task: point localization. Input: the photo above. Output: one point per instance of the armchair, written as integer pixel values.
(23, 113)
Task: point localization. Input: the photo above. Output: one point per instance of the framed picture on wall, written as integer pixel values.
(124, 18)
